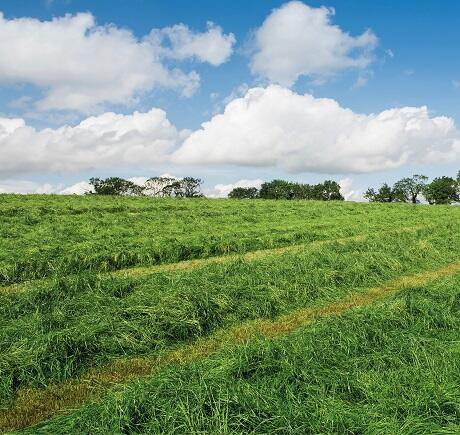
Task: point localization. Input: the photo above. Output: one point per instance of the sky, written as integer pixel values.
(235, 93)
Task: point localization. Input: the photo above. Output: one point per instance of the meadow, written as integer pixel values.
(141, 315)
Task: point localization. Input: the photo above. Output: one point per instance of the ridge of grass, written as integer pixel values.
(384, 368)
(33, 406)
(54, 333)
(140, 271)
(42, 236)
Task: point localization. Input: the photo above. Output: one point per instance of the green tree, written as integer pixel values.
(442, 190)
(408, 189)
(277, 189)
(384, 194)
(330, 191)
(244, 193)
(115, 186)
(159, 186)
(458, 184)
(191, 187)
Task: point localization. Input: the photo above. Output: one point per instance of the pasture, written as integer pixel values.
(141, 315)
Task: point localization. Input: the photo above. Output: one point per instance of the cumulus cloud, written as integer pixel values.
(297, 40)
(213, 46)
(82, 65)
(25, 186)
(349, 192)
(274, 126)
(267, 127)
(107, 140)
(79, 188)
(222, 190)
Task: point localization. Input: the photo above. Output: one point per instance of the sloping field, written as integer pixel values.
(158, 316)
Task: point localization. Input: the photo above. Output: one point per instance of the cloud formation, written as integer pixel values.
(297, 40)
(275, 127)
(267, 127)
(25, 186)
(107, 140)
(213, 46)
(81, 65)
(349, 192)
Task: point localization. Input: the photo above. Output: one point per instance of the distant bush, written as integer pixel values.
(244, 193)
(282, 189)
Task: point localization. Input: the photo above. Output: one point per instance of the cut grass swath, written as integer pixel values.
(142, 271)
(52, 334)
(34, 406)
(391, 367)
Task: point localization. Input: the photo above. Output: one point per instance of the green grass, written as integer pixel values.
(55, 332)
(79, 325)
(390, 368)
(42, 235)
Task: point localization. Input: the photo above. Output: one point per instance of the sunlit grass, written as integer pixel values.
(73, 330)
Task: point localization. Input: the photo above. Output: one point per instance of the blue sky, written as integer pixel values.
(413, 61)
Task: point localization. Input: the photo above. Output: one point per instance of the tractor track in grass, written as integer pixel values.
(32, 406)
(143, 271)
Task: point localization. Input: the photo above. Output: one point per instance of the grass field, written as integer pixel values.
(135, 315)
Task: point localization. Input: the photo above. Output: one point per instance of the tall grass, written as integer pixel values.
(53, 333)
(78, 331)
(44, 235)
(390, 368)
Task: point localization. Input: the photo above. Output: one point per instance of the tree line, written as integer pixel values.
(441, 190)
(164, 187)
(189, 187)
(281, 189)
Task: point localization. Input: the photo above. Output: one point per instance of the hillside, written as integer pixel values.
(140, 315)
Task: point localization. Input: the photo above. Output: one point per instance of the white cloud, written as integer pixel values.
(107, 140)
(348, 192)
(222, 190)
(81, 65)
(274, 126)
(297, 40)
(456, 84)
(212, 46)
(79, 188)
(267, 127)
(25, 186)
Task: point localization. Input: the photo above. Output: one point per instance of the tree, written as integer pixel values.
(159, 186)
(115, 186)
(408, 189)
(244, 193)
(191, 187)
(370, 194)
(330, 191)
(442, 190)
(458, 184)
(277, 189)
(384, 194)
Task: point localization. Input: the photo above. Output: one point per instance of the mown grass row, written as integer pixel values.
(35, 406)
(392, 367)
(51, 334)
(187, 265)
(45, 235)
